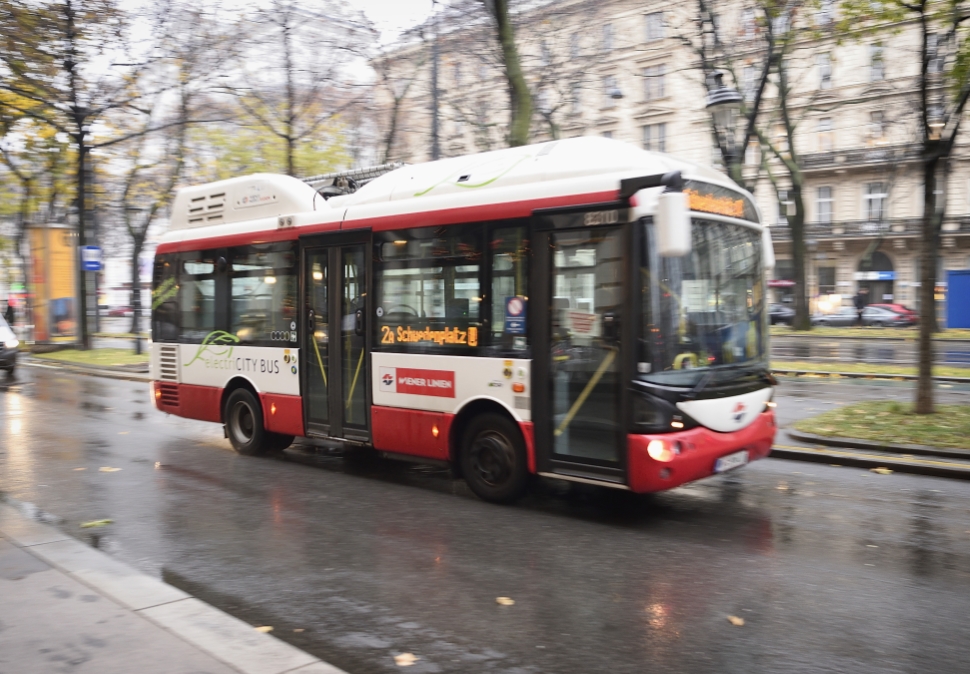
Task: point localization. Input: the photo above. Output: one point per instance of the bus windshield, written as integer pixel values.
(703, 312)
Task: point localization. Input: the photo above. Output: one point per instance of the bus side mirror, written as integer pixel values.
(673, 224)
(768, 249)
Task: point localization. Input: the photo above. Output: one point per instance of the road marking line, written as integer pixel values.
(833, 452)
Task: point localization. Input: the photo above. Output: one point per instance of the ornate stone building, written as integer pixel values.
(626, 70)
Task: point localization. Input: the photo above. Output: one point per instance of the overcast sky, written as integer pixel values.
(393, 16)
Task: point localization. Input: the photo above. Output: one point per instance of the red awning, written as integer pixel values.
(780, 283)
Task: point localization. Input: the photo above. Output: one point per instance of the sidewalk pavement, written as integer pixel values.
(67, 607)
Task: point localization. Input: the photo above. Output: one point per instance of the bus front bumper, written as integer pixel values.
(694, 454)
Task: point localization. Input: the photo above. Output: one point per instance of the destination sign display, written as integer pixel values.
(707, 198)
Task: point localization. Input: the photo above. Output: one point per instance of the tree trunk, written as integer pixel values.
(520, 99)
(927, 323)
(84, 339)
(796, 224)
(136, 247)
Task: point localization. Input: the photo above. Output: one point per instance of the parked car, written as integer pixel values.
(120, 312)
(899, 309)
(9, 348)
(874, 315)
(781, 313)
(871, 315)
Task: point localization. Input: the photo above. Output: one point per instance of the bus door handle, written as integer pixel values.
(611, 327)
(359, 323)
(310, 316)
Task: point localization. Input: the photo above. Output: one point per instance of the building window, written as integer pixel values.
(935, 64)
(826, 280)
(607, 134)
(750, 83)
(785, 206)
(877, 126)
(824, 63)
(875, 201)
(747, 23)
(653, 82)
(824, 205)
(575, 98)
(877, 66)
(655, 26)
(609, 91)
(545, 56)
(655, 137)
(826, 13)
(608, 37)
(752, 154)
(574, 45)
(826, 137)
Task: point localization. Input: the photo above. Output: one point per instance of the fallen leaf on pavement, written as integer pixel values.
(96, 523)
(881, 470)
(736, 621)
(80, 469)
(264, 628)
(122, 432)
(405, 659)
(504, 601)
(108, 469)
(298, 629)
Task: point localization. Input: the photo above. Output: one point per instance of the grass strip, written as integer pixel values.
(909, 334)
(894, 423)
(109, 357)
(867, 368)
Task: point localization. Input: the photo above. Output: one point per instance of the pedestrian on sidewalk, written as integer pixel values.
(8, 314)
(861, 300)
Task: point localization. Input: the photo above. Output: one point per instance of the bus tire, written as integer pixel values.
(493, 459)
(277, 442)
(244, 423)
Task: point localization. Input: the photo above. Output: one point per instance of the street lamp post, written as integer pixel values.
(724, 104)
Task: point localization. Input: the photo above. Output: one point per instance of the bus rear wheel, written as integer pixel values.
(244, 423)
(493, 459)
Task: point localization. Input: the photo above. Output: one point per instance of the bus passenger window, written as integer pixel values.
(510, 277)
(263, 291)
(428, 288)
(197, 296)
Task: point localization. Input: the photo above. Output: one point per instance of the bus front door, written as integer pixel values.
(336, 372)
(582, 277)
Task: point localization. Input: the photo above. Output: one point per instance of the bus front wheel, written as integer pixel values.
(493, 459)
(244, 423)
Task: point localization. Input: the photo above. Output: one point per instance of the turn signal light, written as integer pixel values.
(158, 394)
(272, 408)
(659, 451)
(518, 387)
(434, 430)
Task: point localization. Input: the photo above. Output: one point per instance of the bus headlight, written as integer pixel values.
(660, 451)
(11, 343)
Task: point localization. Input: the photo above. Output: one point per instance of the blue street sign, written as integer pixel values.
(90, 258)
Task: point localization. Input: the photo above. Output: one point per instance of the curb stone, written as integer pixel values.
(864, 375)
(858, 460)
(204, 627)
(99, 371)
(873, 445)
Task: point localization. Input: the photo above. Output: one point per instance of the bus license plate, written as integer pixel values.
(731, 461)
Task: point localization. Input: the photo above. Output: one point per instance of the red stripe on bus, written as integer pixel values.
(200, 402)
(445, 216)
(282, 413)
(528, 433)
(411, 431)
(701, 448)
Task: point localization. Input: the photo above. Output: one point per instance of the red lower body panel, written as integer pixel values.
(700, 449)
(282, 413)
(411, 431)
(528, 432)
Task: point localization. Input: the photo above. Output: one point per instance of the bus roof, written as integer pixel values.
(541, 173)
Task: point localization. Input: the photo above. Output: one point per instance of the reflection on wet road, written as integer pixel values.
(948, 352)
(832, 569)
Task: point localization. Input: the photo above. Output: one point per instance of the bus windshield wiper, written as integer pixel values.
(700, 386)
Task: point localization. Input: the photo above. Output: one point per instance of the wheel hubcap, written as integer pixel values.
(492, 458)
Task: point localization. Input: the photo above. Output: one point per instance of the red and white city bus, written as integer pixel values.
(579, 309)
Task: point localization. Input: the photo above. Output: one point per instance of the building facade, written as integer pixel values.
(629, 70)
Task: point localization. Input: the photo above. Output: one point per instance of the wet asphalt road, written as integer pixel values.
(832, 569)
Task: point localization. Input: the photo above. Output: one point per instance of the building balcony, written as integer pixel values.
(863, 229)
(863, 157)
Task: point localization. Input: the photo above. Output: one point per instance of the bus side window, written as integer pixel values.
(510, 276)
(428, 286)
(263, 292)
(165, 308)
(197, 295)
